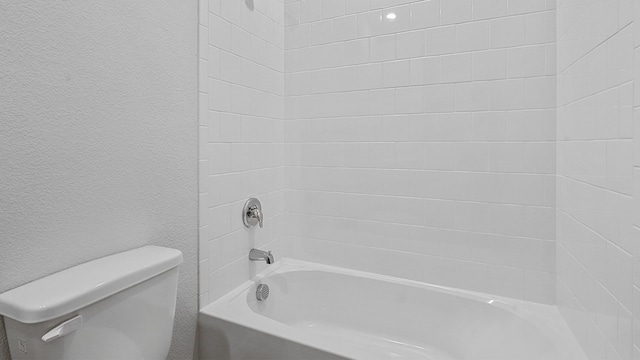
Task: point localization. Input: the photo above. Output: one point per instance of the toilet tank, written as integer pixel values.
(118, 307)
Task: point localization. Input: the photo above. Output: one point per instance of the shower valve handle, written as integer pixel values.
(252, 213)
(256, 213)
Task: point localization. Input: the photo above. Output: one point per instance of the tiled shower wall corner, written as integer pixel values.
(241, 66)
(420, 140)
(595, 174)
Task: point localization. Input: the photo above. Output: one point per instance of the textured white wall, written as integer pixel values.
(595, 174)
(241, 114)
(423, 146)
(98, 139)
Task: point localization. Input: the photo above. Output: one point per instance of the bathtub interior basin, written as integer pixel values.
(319, 311)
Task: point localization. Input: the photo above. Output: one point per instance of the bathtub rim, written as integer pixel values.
(233, 308)
(286, 265)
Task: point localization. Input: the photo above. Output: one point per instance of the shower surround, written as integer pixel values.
(241, 69)
(596, 237)
(419, 139)
(383, 133)
(422, 134)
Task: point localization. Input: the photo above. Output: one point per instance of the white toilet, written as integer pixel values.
(118, 307)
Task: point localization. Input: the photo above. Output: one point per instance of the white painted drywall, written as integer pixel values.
(98, 139)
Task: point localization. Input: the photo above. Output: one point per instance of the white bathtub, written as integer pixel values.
(323, 312)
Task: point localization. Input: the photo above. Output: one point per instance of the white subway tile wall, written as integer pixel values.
(596, 288)
(241, 87)
(431, 140)
(420, 140)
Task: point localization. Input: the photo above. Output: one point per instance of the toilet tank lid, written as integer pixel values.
(74, 288)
